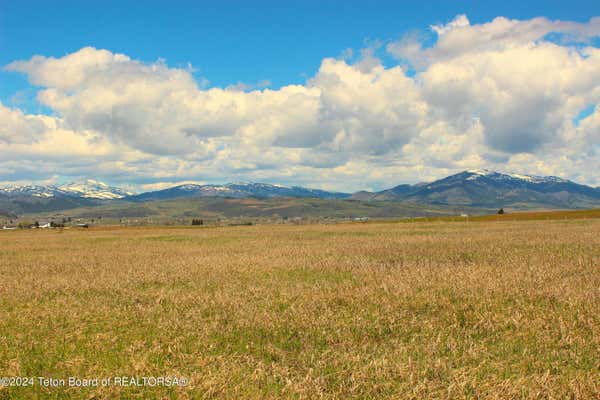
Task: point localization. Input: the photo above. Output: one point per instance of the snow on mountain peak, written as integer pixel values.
(190, 186)
(94, 189)
(483, 172)
(31, 190)
(500, 176)
(92, 182)
(88, 188)
(527, 178)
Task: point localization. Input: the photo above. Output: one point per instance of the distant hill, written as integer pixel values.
(484, 188)
(7, 214)
(273, 207)
(25, 204)
(235, 190)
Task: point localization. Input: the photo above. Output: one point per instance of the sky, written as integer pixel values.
(334, 95)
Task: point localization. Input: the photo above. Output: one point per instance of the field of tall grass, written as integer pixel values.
(445, 310)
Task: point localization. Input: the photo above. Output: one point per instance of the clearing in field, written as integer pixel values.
(439, 309)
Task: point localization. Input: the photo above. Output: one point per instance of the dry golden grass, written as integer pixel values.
(513, 216)
(540, 215)
(440, 310)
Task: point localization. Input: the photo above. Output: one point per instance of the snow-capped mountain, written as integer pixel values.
(93, 189)
(485, 188)
(88, 189)
(235, 190)
(29, 190)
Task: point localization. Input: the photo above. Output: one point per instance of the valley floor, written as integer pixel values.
(490, 309)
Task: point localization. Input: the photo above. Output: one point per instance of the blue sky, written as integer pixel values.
(104, 90)
(229, 42)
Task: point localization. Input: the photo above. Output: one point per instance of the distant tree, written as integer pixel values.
(196, 221)
(501, 211)
(37, 224)
(24, 225)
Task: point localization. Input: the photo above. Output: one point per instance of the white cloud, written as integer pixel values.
(460, 21)
(502, 94)
(17, 127)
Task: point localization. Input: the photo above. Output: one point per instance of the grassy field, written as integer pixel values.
(444, 310)
(528, 216)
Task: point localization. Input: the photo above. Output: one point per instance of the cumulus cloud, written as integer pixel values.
(459, 37)
(161, 110)
(17, 127)
(503, 94)
(523, 87)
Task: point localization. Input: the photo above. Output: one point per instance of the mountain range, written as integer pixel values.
(472, 188)
(236, 190)
(89, 189)
(484, 188)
